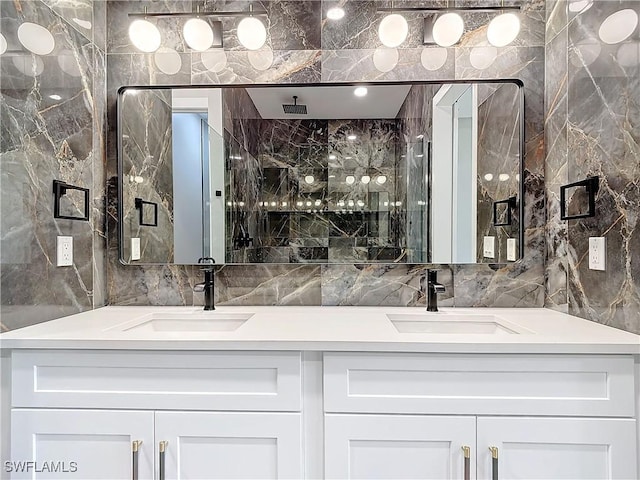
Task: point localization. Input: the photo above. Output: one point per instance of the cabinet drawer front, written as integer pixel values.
(157, 380)
(479, 384)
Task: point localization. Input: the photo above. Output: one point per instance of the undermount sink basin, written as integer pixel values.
(189, 322)
(451, 323)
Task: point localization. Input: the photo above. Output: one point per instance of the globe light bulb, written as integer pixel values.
(198, 34)
(335, 13)
(503, 29)
(393, 30)
(144, 35)
(448, 29)
(252, 33)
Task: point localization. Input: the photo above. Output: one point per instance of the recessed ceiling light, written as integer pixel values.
(360, 91)
(351, 137)
(360, 203)
(488, 177)
(347, 158)
(332, 157)
(503, 177)
(335, 13)
(350, 180)
(309, 179)
(55, 97)
(3, 44)
(365, 179)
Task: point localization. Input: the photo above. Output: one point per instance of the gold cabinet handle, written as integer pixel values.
(135, 446)
(163, 448)
(494, 462)
(467, 462)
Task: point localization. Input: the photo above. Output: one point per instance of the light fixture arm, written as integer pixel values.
(200, 14)
(448, 9)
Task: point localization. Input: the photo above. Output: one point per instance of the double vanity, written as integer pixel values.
(324, 392)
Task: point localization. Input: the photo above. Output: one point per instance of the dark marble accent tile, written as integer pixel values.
(99, 24)
(78, 14)
(308, 254)
(556, 57)
(387, 285)
(147, 166)
(118, 21)
(602, 140)
(67, 37)
(268, 285)
(557, 18)
(532, 27)
(43, 139)
(493, 286)
(99, 206)
(140, 69)
(497, 155)
(388, 64)
(261, 66)
(151, 284)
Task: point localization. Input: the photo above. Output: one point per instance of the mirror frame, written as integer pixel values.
(521, 152)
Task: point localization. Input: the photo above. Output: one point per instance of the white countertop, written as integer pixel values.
(323, 329)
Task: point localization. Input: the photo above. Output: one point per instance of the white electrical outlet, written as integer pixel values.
(597, 253)
(64, 248)
(511, 249)
(135, 248)
(489, 247)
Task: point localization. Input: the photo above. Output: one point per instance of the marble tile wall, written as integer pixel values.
(147, 152)
(52, 113)
(593, 128)
(320, 50)
(498, 176)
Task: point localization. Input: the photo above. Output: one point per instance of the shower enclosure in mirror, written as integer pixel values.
(327, 173)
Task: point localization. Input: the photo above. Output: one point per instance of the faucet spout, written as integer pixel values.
(208, 285)
(433, 288)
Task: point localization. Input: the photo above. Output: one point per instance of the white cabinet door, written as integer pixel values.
(398, 447)
(557, 448)
(83, 444)
(230, 445)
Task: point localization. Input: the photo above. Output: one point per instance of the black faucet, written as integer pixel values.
(208, 284)
(433, 289)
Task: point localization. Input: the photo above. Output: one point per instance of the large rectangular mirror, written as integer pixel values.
(327, 173)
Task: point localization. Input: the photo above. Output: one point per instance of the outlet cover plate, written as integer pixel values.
(597, 253)
(489, 247)
(135, 248)
(511, 249)
(64, 250)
